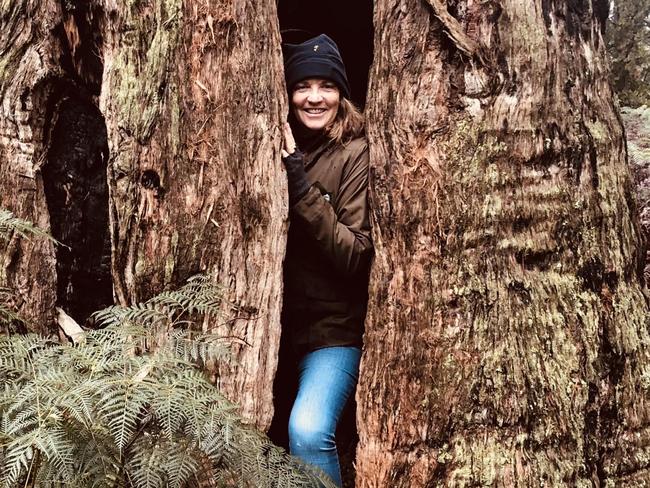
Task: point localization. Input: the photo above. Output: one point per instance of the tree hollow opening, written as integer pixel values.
(74, 173)
(351, 27)
(76, 191)
(348, 23)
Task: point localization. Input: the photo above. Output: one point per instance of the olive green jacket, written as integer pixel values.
(329, 250)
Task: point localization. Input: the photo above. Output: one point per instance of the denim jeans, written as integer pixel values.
(327, 378)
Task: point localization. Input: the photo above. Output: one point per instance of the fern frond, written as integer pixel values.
(199, 349)
(17, 354)
(122, 407)
(10, 224)
(27, 420)
(182, 465)
(145, 467)
(8, 314)
(169, 399)
(17, 456)
(58, 451)
(78, 403)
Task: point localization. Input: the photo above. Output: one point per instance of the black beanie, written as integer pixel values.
(318, 57)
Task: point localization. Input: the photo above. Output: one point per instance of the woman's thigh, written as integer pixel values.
(326, 379)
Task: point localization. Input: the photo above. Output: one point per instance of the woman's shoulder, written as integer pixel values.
(354, 147)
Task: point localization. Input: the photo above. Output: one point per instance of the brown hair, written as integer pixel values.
(348, 123)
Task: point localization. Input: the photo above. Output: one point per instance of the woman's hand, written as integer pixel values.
(289, 143)
(294, 164)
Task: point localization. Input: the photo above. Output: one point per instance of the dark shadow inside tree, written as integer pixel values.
(76, 190)
(348, 23)
(74, 173)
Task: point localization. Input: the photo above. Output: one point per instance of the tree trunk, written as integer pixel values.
(28, 71)
(507, 340)
(192, 95)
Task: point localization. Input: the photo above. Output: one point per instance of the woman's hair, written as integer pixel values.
(348, 123)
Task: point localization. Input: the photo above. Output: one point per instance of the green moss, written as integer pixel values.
(598, 131)
(11, 14)
(140, 84)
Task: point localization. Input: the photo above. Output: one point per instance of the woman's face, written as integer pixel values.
(315, 102)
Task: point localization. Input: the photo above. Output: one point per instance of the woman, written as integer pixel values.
(329, 245)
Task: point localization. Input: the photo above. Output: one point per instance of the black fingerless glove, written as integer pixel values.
(296, 176)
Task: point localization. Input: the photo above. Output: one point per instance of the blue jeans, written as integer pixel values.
(327, 378)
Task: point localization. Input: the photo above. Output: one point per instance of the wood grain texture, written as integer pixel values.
(28, 71)
(507, 340)
(193, 98)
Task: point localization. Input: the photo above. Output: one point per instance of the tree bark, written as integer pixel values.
(29, 69)
(507, 340)
(193, 95)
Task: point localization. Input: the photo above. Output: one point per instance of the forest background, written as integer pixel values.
(628, 40)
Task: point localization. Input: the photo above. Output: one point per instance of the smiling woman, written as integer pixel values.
(329, 246)
(314, 103)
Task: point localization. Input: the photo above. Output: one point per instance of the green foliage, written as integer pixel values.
(112, 411)
(7, 313)
(637, 128)
(628, 42)
(10, 224)
(127, 406)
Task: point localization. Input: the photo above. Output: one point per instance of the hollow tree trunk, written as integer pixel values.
(192, 96)
(507, 340)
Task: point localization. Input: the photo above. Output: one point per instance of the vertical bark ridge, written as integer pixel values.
(193, 97)
(506, 338)
(28, 69)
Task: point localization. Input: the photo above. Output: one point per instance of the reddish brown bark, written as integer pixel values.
(192, 96)
(28, 69)
(506, 339)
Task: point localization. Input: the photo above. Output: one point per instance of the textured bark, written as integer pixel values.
(192, 95)
(507, 339)
(28, 70)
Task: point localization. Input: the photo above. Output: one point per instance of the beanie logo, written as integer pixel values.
(316, 47)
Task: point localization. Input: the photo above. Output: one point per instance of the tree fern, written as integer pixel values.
(126, 406)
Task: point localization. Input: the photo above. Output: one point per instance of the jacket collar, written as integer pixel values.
(319, 147)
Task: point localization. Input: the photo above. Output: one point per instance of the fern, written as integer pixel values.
(10, 224)
(127, 406)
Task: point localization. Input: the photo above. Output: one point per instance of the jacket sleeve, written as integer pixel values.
(341, 229)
